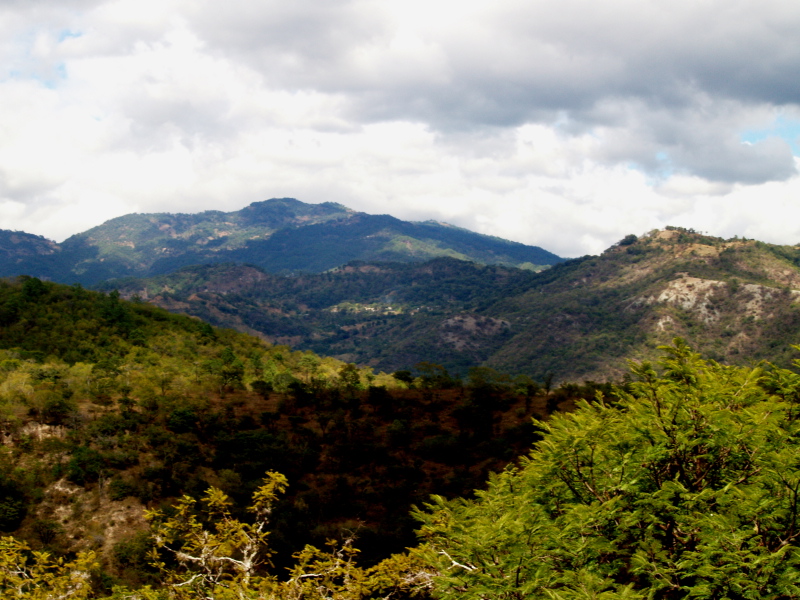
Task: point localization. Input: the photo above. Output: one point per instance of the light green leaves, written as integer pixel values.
(687, 488)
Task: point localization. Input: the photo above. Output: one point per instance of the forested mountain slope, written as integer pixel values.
(279, 235)
(109, 406)
(388, 315)
(733, 299)
(22, 253)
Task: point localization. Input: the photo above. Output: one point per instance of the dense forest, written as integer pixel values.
(108, 407)
(165, 459)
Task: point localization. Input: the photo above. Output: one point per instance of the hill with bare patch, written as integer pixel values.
(735, 300)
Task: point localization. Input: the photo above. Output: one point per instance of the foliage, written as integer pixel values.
(683, 484)
(221, 557)
(31, 575)
(183, 407)
(214, 555)
(217, 562)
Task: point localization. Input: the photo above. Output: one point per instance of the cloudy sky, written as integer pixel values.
(566, 124)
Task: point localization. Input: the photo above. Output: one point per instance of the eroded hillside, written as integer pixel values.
(735, 300)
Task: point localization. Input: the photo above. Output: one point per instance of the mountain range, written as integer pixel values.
(280, 236)
(377, 291)
(111, 406)
(735, 300)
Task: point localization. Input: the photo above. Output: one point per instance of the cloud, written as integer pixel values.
(469, 65)
(565, 124)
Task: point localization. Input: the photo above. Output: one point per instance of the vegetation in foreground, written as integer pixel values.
(683, 483)
(108, 407)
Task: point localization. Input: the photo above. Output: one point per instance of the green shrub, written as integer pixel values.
(119, 489)
(85, 466)
(682, 485)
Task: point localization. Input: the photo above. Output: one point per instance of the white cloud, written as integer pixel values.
(566, 125)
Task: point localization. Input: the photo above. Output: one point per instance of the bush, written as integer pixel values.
(685, 485)
(47, 530)
(182, 420)
(57, 409)
(13, 506)
(119, 489)
(85, 466)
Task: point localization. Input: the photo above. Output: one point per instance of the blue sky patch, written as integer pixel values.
(68, 33)
(782, 127)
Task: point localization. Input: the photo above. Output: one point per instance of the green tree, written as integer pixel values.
(349, 377)
(685, 484)
(434, 376)
(12, 504)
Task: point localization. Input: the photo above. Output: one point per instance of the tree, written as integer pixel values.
(435, 376)
(222, 561)
(349, 377)
(30, 575)
(221, 557)
(684, 484)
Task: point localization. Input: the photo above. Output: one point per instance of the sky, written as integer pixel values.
(565, 124)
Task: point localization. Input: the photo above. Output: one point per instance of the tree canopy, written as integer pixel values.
(683, 484)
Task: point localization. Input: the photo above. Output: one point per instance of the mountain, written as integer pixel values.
(21, 252)
(279, 235)
(735, 300)
(387, 315)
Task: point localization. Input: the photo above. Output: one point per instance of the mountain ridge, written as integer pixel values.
(735, 300)
(280, 235)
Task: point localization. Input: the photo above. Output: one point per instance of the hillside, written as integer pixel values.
(387, 315)
(108, 407)
(279, 235)
(732, 299)
(22, 252)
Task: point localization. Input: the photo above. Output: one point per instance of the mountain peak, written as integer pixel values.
(278, 235)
